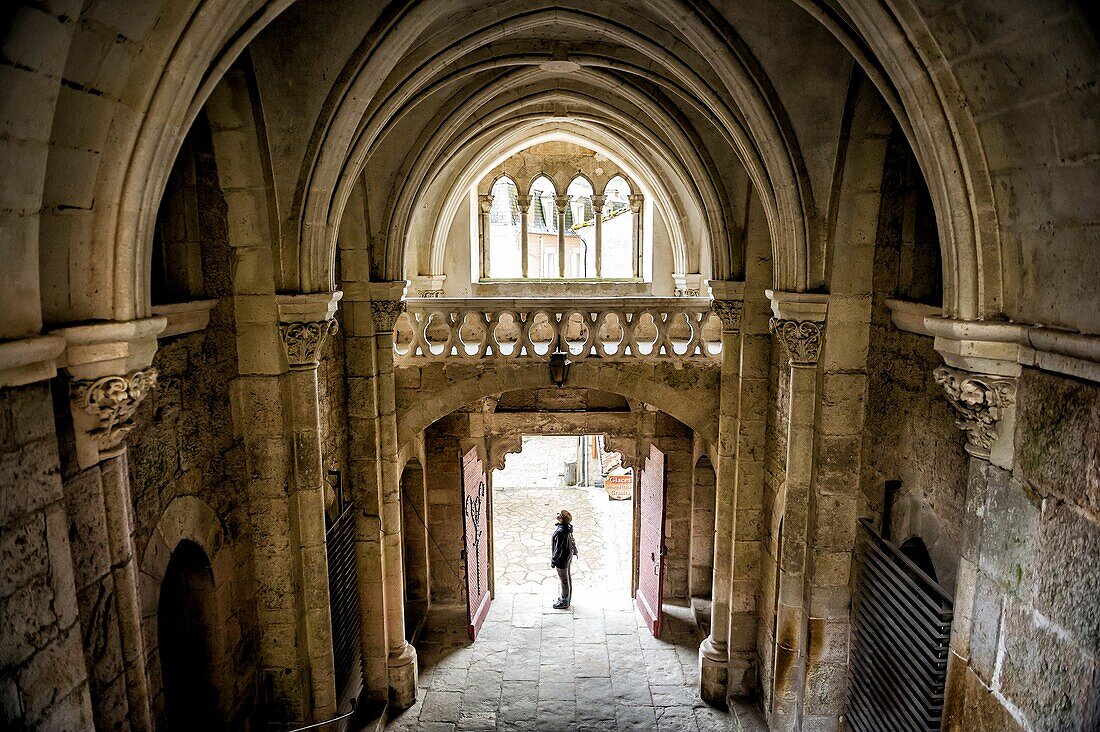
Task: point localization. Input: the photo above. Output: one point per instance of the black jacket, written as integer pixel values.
(562, 546)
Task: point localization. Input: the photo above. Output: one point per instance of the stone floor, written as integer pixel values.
(592, 667)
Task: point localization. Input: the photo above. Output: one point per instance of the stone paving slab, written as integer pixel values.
(594, 666)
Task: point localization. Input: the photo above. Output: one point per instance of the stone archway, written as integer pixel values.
(186, 560)
(191, 643)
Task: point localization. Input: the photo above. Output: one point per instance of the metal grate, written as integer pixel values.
(901, 630)
(344, 598)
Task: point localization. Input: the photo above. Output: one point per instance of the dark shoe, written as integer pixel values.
(559, 605)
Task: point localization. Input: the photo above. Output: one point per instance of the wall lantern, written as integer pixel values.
(559, 367)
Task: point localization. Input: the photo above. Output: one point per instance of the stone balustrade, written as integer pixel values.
(612, 328)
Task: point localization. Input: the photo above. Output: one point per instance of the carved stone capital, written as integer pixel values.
(636, 201)
(386, 313)
(729, 312)
(103, 412)
(983, 402)
(800, 338)
(485, 202)
(562, 203)
(303, 342)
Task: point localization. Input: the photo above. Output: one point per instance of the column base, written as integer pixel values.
(713, 672)
(402, 669)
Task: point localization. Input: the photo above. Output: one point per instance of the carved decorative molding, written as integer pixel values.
(429, 293)
(800, 338)
(111, 403)
(729, 312)
(303, 342)
(981, 401)
(386, 313)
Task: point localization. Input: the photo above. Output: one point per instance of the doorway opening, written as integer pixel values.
(191, 649)
(578, 474)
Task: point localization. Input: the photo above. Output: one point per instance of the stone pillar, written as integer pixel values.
(598, 202)
(378, 434)
(306, 321)
(980, 379)
(561, 203)
(484, 206)
(524, 223)
(637, 201)
(109, 364)
(714, 650)
(798, 326)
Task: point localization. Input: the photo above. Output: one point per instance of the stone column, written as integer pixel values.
(386, 306)
(636, 208)
(980, 380)
(799, 327)
(524, 222)
(306, 321)
(714, 650)
(598, 202)
(110, 367)
(561, 203)
(484, 206)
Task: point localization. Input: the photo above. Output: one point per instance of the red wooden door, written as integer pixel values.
(475, 529)
(651, 541)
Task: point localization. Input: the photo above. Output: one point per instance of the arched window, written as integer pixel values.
(580, 234)
(504, 231)
(618, 235)
(542, 230)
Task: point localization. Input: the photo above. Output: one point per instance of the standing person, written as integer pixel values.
(562, 550)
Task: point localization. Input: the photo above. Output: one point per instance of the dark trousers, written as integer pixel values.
(566, 577)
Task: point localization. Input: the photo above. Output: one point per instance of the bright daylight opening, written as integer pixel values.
(577, 474)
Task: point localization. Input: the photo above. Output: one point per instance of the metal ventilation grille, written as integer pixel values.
(344, 599)
(901, 629)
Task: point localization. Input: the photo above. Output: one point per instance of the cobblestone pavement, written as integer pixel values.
(592, 667)
(523, 520)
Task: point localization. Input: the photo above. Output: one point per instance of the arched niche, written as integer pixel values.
(191, 643)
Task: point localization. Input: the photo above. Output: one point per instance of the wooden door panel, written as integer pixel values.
(475, 529)
(651, 541)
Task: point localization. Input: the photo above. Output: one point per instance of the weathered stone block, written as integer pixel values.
(29, 479)
(985, 628)
(1066, 572)
(1045, 674)
(1009, 532)
(51, 675)
(1057, 450)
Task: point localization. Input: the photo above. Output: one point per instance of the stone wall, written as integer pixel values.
(775, 461)
(187, 444)
(1028, 654)
(443, 445)
(909, 432)
(43, 681)
(331, 393)
(675, 440)
(702, 528)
